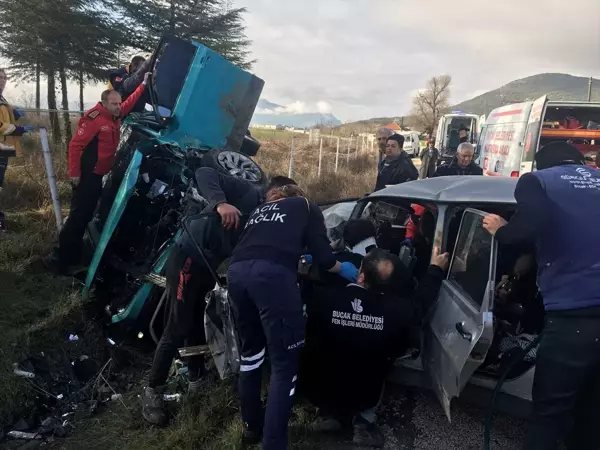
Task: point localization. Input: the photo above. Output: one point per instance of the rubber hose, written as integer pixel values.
(487, 430)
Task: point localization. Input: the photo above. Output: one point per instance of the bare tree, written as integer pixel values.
(429, 103)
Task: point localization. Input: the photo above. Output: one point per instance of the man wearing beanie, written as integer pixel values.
(558, 209)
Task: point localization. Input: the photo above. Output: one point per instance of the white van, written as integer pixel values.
(454, 129)
(412, 143)
(513, 134)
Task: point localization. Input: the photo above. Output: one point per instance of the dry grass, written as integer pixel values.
(355, 176)
(39, 311)
(36, 308)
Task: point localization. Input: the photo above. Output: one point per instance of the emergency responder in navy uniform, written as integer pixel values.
(116, 77)
(353, 335)
(559, 210)
(262, 282)
(126, 79)
(230, 201)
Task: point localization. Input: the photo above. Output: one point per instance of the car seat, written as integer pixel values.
(453, 140)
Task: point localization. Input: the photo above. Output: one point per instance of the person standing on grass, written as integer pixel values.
(267, 308)
(9, 135)
(91, 155)
(216, 230)
(396, 167)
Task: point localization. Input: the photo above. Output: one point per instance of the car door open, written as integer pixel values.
(459, 328)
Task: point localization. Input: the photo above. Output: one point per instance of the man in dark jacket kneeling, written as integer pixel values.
(354, 334)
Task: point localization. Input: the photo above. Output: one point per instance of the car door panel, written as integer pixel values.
(459, 330)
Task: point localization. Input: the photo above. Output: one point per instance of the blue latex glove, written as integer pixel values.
(407, 242)
(28, 128)
(18, 113)
(349, 271)
(308, 259)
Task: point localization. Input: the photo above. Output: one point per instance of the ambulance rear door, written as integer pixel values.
(534, 133)
(440, 133)
(502, 140)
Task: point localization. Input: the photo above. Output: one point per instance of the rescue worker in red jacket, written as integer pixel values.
(91, 156)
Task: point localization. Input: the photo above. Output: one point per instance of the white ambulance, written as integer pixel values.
(513, 134)
(452, 130)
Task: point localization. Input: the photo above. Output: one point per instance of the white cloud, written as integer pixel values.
(367, 58)
(323, 107)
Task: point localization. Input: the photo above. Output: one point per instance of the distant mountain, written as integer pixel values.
(268, 113)
(558, 86)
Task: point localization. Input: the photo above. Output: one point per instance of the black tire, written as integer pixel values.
(235, 164)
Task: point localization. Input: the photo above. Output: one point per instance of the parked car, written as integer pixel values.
(201, 106)
(412, 143)
(514, 133)
(461, 326)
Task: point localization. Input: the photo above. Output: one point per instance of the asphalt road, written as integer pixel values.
(413, 419)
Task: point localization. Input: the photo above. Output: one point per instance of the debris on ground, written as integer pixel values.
(72, 383)
(21, 372)
(75, 382)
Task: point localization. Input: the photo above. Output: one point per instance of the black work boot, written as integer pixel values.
(326, 423)
(153, 407)
(367, 434)
(251, 436)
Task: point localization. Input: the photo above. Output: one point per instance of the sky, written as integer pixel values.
(366, 58)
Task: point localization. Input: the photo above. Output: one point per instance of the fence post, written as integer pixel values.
(291, 169)
(348, 153)
(337, 154)
(51, 177)
(320, 158)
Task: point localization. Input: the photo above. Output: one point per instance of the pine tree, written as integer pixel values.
(205, 21)
(68, 38)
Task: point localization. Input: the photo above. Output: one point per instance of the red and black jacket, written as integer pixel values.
(93, 146)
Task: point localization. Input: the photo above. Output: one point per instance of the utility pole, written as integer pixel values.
(590, 89)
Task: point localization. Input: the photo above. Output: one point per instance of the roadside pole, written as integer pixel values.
(320, 158)
(348, 153)
(337, 154)
(291, 169)
(51, 178)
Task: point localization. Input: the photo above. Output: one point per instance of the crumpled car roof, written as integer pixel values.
(455, 189)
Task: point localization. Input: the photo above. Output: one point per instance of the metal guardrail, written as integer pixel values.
(36, 110)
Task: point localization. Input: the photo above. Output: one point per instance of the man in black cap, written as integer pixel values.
(558, 209)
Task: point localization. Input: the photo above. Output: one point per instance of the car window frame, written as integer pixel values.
(491, 277)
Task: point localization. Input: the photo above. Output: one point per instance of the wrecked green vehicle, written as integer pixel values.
(200, 106)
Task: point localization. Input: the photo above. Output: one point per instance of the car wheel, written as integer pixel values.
(235, 164)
